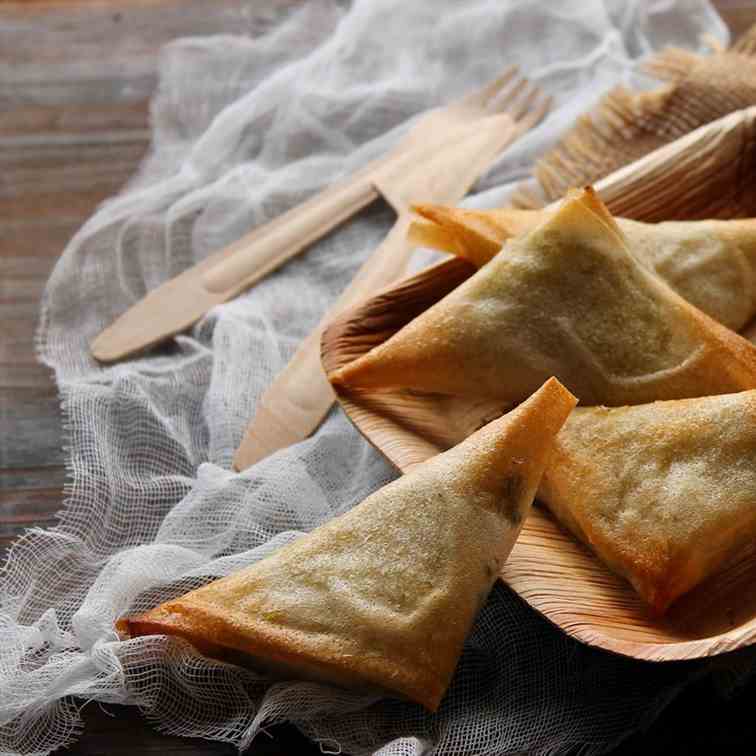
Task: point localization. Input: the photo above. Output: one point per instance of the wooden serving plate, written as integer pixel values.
(704, 174)
(552, 571)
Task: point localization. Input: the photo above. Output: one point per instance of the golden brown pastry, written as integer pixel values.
(567, 299)
(476, 235)
(383, 596)
(710, 263)
(664, 493)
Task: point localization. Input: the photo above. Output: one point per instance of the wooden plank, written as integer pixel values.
(93, 46)
(29, 497)
(32, 434)
(37, 170)
(47, 190)
(22, 280)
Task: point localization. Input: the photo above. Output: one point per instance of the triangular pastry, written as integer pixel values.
(568, 299)
(383, 596)
(710, 263)
(476, 235)
(664, 493)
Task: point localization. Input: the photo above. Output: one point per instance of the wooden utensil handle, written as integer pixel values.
(258, 253)
(266, 248)
(300, 396)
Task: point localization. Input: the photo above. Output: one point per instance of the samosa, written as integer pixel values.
(710, 263)
(475, 235)
(383, 596)
(664, 493)
(568, 299)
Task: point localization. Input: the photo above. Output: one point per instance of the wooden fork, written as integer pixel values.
(446, 151)
(179, 303)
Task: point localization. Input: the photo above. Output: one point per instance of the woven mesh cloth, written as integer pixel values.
(243, 129)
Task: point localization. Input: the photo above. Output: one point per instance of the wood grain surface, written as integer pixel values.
(75, 82)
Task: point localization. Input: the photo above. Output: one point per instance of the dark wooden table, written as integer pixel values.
(75, 81)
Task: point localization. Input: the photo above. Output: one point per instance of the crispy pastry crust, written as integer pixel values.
(383, 596)
(664, 493)
(709, 263)
(568, 299)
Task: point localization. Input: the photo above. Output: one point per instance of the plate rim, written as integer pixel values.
(740, 636)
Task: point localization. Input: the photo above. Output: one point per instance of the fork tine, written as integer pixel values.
(481, 97)
(540, 110)
(536, 113)
(519, 106)
(512, 100)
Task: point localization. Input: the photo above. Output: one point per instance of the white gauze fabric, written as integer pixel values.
(243, 129)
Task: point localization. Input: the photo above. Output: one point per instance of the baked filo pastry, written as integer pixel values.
(664, 493)
(567, 299)
(383, 596)
(710, 263)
